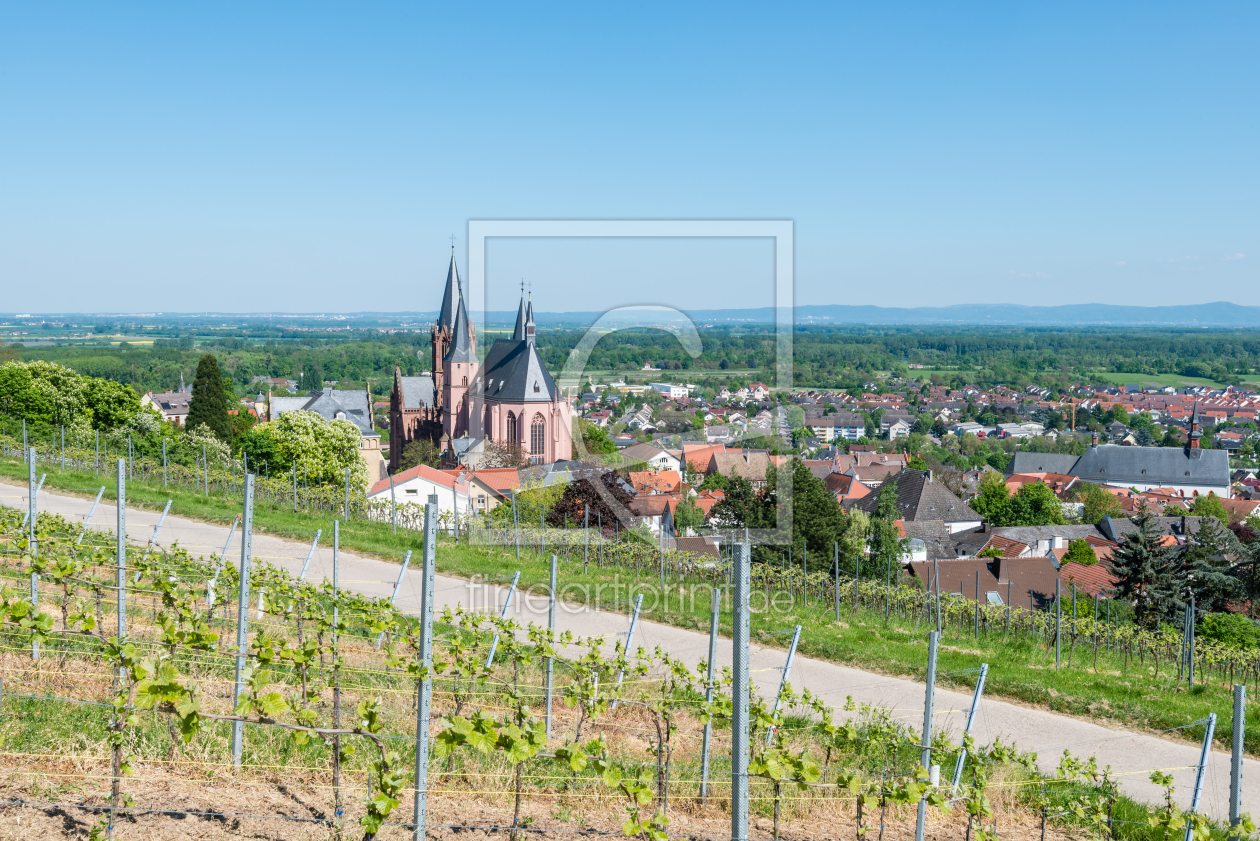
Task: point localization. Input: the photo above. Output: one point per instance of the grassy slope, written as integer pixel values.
(1161, 379)
(1020, 670)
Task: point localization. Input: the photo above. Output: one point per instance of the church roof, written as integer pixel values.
(461, 338)
(418, 392)
(514, 373)
(1119, 465)
(451, 297)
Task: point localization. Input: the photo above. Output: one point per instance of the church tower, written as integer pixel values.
(1193, 439)
(443, 328)
(459, 369)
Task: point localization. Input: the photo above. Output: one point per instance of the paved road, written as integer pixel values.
(1131, 755)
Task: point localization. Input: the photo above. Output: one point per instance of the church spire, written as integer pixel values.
(518, 334)
(451, 297)
(1195, 433)
(461, 337)
(529, 324)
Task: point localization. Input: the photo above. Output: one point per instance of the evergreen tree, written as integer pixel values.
(209, 400)
(817, 521)
(1149, 573)
(886, 541)
(418, 451)
(1208, 566)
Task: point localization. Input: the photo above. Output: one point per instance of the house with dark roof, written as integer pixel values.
(1027, 582)
(920, 497)
(331, 404)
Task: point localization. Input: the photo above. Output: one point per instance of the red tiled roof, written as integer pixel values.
(499, 478)
(1093, 579)
(655, 482)
(1010, 548)
(420, 471)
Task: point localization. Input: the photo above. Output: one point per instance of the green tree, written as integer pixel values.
(992, 499)
(1097, 503)
(41, 391)
(1232, 629)
(209, 403)
(112, 404)
(595, 438)
(886, 541)
(1034, 504)
(714, 482)
(741, 506)
(1208, 570)
(1080, 552)
(322, 449)
(1148, 573)
(687, 515)
(1211, 506)
(817, 521)
(418, 451)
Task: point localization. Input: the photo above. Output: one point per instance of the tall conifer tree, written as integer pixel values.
(1149, 573)
(209, 400)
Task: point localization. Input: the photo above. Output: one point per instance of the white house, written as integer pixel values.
(654, 457)
(418, 483)
(670, 391)
(899, 428)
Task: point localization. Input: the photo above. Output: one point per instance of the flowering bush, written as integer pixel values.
(323, 449)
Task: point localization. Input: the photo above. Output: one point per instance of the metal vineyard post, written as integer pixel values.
(242, 614)
(708, 692)
(742, 575)
(929, 699)
(424, 687)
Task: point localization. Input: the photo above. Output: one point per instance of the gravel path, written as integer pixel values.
(1130, 755)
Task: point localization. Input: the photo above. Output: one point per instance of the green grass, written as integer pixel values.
(1155, 379)
(1020, 669)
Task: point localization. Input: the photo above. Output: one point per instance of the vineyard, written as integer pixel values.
(123, 713)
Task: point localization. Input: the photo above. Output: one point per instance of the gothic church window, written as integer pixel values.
(538, 436)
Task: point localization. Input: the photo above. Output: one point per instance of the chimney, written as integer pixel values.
(1094, 443)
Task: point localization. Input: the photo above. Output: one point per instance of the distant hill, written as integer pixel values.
(1218, 314)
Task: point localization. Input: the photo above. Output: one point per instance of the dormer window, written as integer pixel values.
(535, 387)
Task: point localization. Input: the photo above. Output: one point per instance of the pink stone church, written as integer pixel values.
(508, 399)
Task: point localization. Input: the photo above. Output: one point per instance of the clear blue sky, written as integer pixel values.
(316, 156)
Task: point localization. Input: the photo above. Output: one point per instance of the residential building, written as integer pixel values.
(849, 426)
(171, 405)
(654, 457)
(920, 497)
(331, 404)
(751, 466)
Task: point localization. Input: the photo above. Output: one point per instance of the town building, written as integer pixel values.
(331, 404)
(171, 405)
(1189, 471)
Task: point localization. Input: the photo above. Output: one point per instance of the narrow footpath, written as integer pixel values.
(1132, 756)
